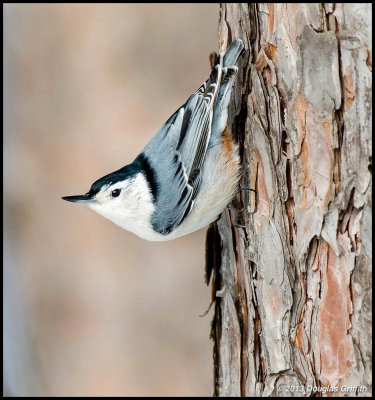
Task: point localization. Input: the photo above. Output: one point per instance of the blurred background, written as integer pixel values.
(90, 309)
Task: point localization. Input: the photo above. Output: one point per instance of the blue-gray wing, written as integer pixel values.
(176, 154)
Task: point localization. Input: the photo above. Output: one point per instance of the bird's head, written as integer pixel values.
(124, 197)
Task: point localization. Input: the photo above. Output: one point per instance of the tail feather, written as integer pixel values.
(233, 53)
(229, 72)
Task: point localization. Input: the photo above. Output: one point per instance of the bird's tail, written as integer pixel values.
(233, 53)
(229, 72)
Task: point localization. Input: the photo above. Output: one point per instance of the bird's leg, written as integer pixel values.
(249, 190)
(231, 206)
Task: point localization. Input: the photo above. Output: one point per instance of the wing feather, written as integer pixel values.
(177, 153)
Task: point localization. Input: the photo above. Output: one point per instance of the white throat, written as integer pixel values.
(132, 210)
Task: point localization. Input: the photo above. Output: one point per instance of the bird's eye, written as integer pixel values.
(116, 192)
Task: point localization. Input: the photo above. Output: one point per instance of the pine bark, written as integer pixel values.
(292, 285)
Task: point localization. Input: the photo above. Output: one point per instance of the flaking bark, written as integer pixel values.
(292, 288)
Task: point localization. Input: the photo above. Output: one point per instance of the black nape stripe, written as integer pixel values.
(147, 169)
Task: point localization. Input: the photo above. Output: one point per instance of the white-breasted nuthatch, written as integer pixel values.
(186, 175)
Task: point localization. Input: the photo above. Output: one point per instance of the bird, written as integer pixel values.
(187, 173)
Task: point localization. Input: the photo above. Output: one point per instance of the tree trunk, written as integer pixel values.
(292, 286)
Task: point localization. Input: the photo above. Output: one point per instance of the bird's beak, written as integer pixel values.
(85, 198)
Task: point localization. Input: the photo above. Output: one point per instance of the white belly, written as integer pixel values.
(219, 183)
